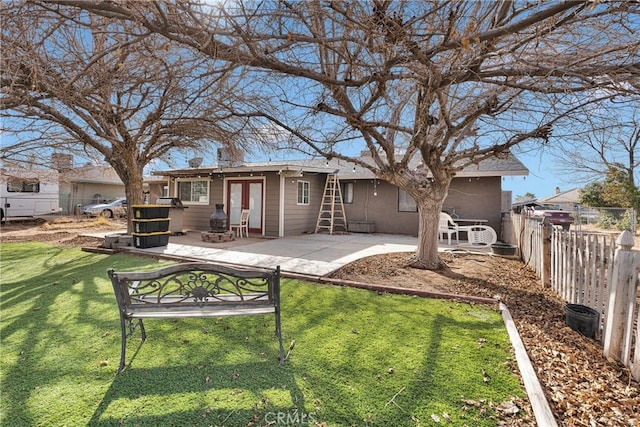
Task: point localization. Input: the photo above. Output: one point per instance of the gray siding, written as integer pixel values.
(271, 205)
(382, 208)
(476, 198)
(196, 217)
(300, 219)
(470, 198)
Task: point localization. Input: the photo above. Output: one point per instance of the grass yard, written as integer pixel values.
(356, 357)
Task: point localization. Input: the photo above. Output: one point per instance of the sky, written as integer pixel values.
(542, 179)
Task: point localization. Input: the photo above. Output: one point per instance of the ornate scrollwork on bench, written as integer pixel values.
(194, 290)
(197, 287)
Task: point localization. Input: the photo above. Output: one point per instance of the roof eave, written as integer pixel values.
(278, 168)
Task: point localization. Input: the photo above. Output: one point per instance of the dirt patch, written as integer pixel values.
(582, 386)
(66, 231)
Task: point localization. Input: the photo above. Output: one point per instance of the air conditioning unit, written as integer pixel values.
(229, 158)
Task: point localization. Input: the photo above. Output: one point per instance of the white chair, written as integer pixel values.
(447, 226)
(243, 225)
(480, 235)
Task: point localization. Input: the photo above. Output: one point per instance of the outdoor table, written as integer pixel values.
(471, 221)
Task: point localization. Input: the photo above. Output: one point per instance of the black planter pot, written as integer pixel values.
(582, 319)
(503, 249)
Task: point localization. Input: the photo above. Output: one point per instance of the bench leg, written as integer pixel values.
(123, 344)
(142, 330)
(279, 335)
(123, 328)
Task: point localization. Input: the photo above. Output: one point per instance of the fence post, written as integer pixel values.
(547, 230)
(635, 365)
(618, 328)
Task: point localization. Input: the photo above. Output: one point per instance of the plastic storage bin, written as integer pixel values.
(151, 225)
(150, 240)
(150, 211)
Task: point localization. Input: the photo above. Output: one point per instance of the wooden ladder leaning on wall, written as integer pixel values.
(331, 217)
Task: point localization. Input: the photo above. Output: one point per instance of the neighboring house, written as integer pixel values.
(92, 184)
(564, 200)
(87, 185)
(285, 197)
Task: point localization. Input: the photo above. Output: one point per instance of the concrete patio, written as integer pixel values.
(308, 254)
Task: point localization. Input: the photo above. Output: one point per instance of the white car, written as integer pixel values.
(114, 208)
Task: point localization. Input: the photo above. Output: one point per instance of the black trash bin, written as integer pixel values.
(582, 319)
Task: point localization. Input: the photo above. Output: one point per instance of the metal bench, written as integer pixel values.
(194, 290)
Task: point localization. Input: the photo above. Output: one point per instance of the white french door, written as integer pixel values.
(245, 194)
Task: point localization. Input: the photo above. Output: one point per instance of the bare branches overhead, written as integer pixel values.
(451, 68)
(112, 91)
(452, 83)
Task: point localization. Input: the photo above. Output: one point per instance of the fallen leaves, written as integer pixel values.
(485, 377)
(508, 408)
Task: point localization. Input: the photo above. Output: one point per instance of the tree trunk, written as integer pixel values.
(133, 191)
(429, 208)
(131, 175)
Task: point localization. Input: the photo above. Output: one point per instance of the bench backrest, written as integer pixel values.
(197, 284)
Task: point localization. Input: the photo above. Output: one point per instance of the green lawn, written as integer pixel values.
(359, 358)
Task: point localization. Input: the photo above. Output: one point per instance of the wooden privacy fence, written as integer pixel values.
(593, 270)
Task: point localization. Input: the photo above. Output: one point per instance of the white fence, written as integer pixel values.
(593, 270)
(579, 267)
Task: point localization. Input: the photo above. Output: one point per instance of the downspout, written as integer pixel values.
(281, 206)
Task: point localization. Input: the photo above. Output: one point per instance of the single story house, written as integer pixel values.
(565, 200)
(91, 184)
(285, 197)
(88, 184)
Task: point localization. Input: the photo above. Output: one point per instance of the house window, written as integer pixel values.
(406, 202)
(21, 185)
(347, 192)
(303, 192)
(195, 192)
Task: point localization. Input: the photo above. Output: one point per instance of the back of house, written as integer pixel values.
(28, 192)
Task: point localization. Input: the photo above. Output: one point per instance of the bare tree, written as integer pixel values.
(449, 83)
(110, 91)
(609, 145)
